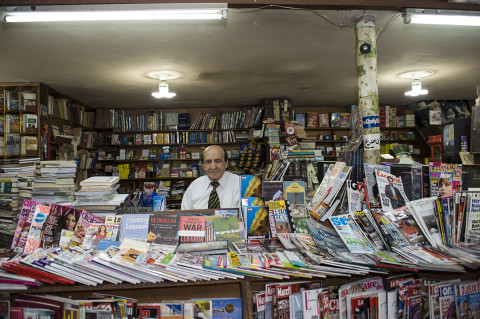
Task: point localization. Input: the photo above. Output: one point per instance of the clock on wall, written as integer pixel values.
(171, 119)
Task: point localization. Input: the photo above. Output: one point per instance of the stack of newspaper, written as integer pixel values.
(98, 194)
(56, 183)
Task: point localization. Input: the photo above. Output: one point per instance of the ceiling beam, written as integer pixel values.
(319, 4)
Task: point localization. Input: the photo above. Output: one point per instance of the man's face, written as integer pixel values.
(390, 181)
(214, 162)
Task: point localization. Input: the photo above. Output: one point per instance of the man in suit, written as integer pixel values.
(396, 198)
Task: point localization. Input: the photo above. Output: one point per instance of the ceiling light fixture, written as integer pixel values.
(416, 89)
(163, 76)
(117, 12)
(416, 84)
(445, 17)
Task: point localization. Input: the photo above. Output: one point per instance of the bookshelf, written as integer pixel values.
(165, 147)
(43, 118)
(20, 130)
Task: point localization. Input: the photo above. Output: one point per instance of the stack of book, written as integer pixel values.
(98, 194)
(9, 196)
(56, 182)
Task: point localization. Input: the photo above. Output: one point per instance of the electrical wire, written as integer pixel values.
(338, 25)
(341, 25)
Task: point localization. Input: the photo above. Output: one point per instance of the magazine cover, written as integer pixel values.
(446, 299)
(368, 229)
(373, 195)
(281, 216)
(328, 181)
(295, 192)
(256, 221)
(472, 229)
(423, 210)
(312, 303)
(23, 225)
(469, 299)
(357, 200)
(323, 120)
(228, 308)
(390, 187)
(60, 218)
(250, 186)
(272, 190)
(34, 237)
(134, 226)
(351, 234)
(191, 229)
(392, 234)
(326, 238)
(227, 229)
(403, 220)
(445, 179)
(163, 230)
(95, 233)
(86, 218)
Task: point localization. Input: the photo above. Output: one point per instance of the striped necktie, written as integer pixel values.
(213, 200)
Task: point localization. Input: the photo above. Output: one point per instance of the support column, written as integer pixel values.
(366, 49)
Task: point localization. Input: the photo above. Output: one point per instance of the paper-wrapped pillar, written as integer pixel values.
(366, 50)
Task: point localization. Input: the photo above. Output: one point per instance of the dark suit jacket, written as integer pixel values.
(395, 192)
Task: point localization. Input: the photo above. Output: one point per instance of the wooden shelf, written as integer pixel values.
(116, 131)
(328, 129)
(157, 160)
(397, 141)
(332, 141)
(398, 128)
(178, 144)
(157, 178)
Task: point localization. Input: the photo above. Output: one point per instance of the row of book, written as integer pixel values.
(60, 108)
(400, 296)
(389, 118)
(25, 100)
(155, 121)
(16, 145)
(13, 123)
(17, 179)
(204, 121)
(245, 118)
(100, 305)
(183, 137)
(319, 120)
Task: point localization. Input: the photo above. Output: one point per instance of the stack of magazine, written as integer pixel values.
(56, 182)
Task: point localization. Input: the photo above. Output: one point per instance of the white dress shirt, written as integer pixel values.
(197, 194)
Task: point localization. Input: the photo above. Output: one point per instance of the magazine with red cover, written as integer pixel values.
(191, 229)
(312, 120)
(163, 230)
(280, 301)
(86, 218)
(23, 225)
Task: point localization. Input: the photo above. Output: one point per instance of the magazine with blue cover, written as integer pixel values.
(134, 226)
(256, 221)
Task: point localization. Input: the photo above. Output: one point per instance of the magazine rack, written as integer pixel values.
(227, 288)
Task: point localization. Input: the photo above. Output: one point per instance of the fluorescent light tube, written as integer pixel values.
(116, 13)
(444, 17)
